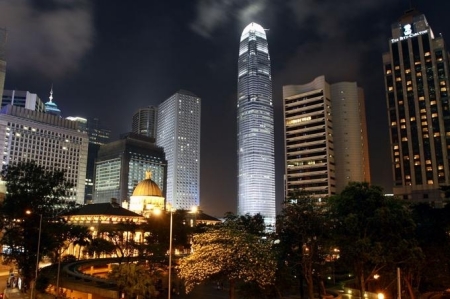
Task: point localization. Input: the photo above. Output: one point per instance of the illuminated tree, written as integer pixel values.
(229, 253)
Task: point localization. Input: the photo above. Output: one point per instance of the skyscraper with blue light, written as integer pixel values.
(256, 163)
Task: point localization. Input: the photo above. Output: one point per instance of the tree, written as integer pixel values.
(99, 246)
(42, 191)
(229, 253)
(304, 238)
(372, 231)
(136, 281)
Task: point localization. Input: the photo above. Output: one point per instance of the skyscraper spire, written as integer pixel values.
(51, 94)
(256, 163)
(51, 107)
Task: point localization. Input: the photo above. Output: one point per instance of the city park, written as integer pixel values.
(358, 240)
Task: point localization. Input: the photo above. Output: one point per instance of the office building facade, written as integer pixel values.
(178, 132)
(49, 140)
(122, 164)
(416, 72)
(325, 133)
(145, 121)
(23, 99)
(255, 125)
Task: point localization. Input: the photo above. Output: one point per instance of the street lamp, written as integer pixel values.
(33, 289)
(170, 254)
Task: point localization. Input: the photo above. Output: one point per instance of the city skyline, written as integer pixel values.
(107, 69)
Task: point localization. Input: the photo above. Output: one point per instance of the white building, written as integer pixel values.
(178, 132)
(325, 137)
(255, 124)
(49, 140)
(23, 99)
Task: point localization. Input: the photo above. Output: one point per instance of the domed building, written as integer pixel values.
(146, 198)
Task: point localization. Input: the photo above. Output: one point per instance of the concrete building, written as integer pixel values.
(49, 140)
(145, 121)
(178, 132)
(122, 164)
(255, 124)
(23, 99)
(416, 72)
(326, 143)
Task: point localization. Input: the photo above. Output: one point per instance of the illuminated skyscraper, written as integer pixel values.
(178, 132)
(256, 163)
(416, 70)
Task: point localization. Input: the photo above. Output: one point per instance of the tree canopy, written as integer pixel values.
(35, 197)
(231, 254)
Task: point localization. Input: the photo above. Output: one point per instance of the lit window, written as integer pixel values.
(388, 72)
(416, 157)
(404, 138)
(427, 54)
(422, 98)
(437, 134)
(428, 162)
(398, 79)
(393, 124)
(397, 67)
(407, 71)
(390, 88)
(430, 182)
(403, 120)
(413, 118)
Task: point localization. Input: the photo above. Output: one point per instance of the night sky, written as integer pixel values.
(107, 58)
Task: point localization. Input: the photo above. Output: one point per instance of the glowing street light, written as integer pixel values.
(169, 293)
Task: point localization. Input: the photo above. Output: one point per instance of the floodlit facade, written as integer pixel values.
(122, 164)
(255, 136)
(178, 132)
(308, 131)
(145, 121)
(351, 146)
(49, 140)
(326, 143)
(23, 99)
(416, 72)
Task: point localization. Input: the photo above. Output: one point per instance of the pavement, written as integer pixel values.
(15, 293)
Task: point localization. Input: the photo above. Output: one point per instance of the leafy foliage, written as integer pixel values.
(136, 281)
(44, 193)
(372, 231)
(229, 253)
(304, 235)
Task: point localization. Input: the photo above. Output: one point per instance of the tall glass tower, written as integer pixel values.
(256, 163)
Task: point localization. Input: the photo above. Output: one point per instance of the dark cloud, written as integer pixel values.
(50, 39)
(212, 15)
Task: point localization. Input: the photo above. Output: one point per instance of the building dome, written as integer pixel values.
(147, 187)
